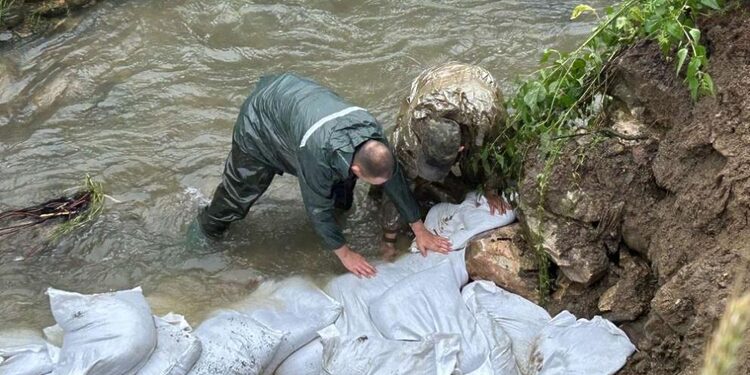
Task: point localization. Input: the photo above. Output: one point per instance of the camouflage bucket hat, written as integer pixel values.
(439, 141)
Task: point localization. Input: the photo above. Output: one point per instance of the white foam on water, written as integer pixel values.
(197, 196)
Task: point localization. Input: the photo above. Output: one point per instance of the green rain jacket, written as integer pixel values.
(290, 124)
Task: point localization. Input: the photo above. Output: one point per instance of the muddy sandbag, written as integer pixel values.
(295, 307)
(501, 353)
(24, 352)
(435, 354)
(355, 294)
(570, 346)
(177, 349)
(461, 222)
(429, 302)
(108, 333)
(519, 318)
(235, 343)
(308, 360)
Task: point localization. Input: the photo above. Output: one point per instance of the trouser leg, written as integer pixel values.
(243, 182)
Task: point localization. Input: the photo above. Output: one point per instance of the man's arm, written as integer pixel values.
(320, 211)
(399, 193)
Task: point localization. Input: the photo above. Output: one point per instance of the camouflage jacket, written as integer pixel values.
(466, 94)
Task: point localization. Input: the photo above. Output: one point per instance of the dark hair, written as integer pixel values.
(375, 159)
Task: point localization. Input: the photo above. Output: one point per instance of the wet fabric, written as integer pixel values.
(459, 223)
(512, 316)
(290, 124)
(296, 308)
(567, 345)
(466, 94)
(177, 349)
(235, 343)
(362, 355)
(305, 361)
(429, 302)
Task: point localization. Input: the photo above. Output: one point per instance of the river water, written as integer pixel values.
(143, 94)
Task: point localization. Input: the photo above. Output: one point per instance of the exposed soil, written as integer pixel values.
(657, 227)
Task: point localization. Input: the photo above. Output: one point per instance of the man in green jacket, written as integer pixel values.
(293, 125)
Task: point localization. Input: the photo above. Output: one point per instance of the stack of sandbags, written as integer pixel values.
(109, 333)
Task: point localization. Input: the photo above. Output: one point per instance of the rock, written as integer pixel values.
(629, 298)
(75, 4)
(572, 246)
(6, 36)
(52, 8)
(501, 257)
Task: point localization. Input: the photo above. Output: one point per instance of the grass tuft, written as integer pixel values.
(726, 343)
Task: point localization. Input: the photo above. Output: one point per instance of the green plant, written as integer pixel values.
(4, 7)
(93, 193)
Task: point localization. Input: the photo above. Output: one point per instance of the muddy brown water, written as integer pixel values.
(143, 95)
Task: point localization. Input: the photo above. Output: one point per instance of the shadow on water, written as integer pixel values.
(143, 94)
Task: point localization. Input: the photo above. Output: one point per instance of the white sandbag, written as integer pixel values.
(355, 294)
(308, 360)
(436, 354)
(295, 307)
(108, 333)
(461, 222)
(518, 317)
(570, 346)
(235, 343)
(176, 350)
(24, 352)
(429, 302)
(501, 358)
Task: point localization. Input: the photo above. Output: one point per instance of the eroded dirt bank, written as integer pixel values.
(651, 231)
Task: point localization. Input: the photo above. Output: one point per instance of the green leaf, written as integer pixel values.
(681, 55)
(674, 30)
(693, 67)
(530, 99)
(709, 84)
(621, 22)
(693, 85)
(547, 53)
(581, 9)
(696, 35)
(713, 4)
(541, 94)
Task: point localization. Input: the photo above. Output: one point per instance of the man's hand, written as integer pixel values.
(429, 241)
(497, 203)
(354, 262)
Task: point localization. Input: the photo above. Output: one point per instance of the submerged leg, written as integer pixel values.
(244, 181)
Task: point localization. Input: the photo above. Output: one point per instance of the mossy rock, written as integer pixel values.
(53, 8)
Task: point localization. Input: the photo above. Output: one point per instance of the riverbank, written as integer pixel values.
(20, 19)
(646, 222)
